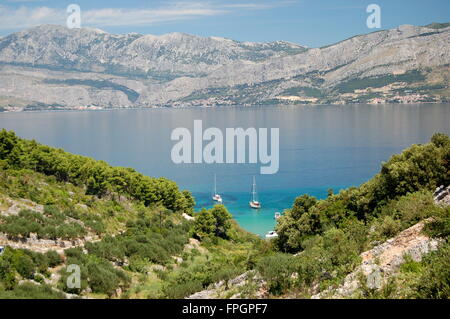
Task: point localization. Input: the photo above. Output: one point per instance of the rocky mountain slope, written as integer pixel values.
(384, 261)
(55, 67)
(378, 265)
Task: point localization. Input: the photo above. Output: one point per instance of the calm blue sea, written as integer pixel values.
(321, 147)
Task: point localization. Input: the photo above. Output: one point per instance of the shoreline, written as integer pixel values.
(97, 109)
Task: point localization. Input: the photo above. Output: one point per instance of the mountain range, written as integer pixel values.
(53, 67)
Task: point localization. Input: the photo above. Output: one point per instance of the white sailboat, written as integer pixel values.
(216, 197)
(254, 203)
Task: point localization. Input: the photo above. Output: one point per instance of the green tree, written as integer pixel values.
(205, 224)
(188, 202)
(277, 269)
(222, 220)
(295, 224)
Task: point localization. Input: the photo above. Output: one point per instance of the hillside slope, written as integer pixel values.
(55, 67)
(131, 235)
(137, 237)
(387, 238)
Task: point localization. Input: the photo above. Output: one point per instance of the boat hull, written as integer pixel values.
(255, 205)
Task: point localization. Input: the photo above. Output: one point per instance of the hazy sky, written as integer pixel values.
(307, 22)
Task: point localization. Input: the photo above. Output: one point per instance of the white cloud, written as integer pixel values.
(134, 17)
(25, 17)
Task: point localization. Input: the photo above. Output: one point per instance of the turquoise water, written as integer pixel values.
(259, 221)
(321, 147)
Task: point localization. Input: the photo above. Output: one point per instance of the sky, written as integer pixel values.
(312, 23)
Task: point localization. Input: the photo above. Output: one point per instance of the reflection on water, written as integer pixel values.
(320, 146)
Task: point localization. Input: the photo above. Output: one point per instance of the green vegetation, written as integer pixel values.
(99, 178)
(38, 106)
(140, 245)
(21, 263)
(437, 25)
(328, 235)
(145, 239)
(99, 84)
(96, 273)
(137, 220)
(213, 222)
(304, 91)
(434, 280)
(31, 291)
(52, 224)
(379, 81)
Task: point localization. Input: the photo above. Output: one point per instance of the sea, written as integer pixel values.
(320, 147)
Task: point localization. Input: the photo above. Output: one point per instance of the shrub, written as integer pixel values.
(440, 225)
(181, 290)
(205, 224)
(31, 291)
(104, 278)
(385, 228)
(7, 274)
(435, 280)
(277, 270)
(24, 266)
(53, 258)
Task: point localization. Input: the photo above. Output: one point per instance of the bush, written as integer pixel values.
(213, 222)
(277, 269)
(53, 258)
(24, 262)
(205, 224)
(39, 278)
(385, 228)
(435, 281)
(104, 278)
(181, 290)
(24, 266)
(440, 225)
(31, 291)
(411, 208)
(51, 225)
(7, 274)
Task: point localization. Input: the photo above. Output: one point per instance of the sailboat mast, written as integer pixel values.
(254, 190)
(215, 185)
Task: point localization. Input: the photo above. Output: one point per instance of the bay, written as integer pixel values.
(321, 147)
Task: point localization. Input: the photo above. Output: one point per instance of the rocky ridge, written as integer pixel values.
(384, 260)
(54, 67)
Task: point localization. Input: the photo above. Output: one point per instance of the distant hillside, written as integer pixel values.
(437, 25)
(52, 67)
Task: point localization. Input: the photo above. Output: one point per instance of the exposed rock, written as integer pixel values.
(384, 260)
(14, 206)
(43, 245)
(442, 195)
(222, 289)
(194, 244)
(187, 217)
(177, 69)
(157, 267)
